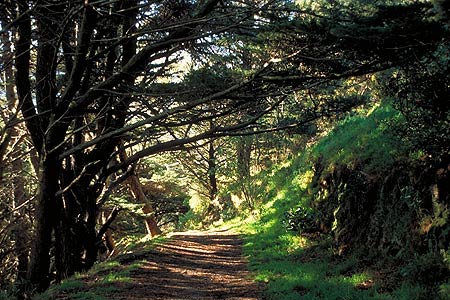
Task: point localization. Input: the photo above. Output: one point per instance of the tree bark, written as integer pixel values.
(136, 189)
(244, 150)
(212, 169)
(150, 222)
(71, 235)
(66, 200)
(46, 213)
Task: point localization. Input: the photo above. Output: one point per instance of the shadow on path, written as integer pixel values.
(193, 265)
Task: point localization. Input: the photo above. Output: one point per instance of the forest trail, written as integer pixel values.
(193, 265)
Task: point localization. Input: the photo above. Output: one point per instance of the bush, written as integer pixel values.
(302, 220)
(428, 269)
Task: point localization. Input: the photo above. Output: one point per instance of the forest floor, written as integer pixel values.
(186, 265)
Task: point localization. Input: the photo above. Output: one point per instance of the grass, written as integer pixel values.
(364, 140)
(102, 281)
(290, 265)
(92, 285)
(294, 267)
(306, 267)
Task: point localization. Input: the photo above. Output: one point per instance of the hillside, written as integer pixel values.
(353, 217)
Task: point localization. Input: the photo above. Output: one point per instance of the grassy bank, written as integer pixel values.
(308, 262)
(307, 267)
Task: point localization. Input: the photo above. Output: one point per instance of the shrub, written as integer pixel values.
(427, 269)
(302, 220)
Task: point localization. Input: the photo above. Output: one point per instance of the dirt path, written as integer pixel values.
(194, 265)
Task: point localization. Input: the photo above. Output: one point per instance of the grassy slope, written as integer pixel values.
(305, 267)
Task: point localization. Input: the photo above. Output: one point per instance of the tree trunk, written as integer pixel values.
(91, 240)
(21, 228)
(136, 189)
(105, 232)
(214, 206)
(244, 150)
(70, 236)
(68, 245)
(46, 213)
(212, 172)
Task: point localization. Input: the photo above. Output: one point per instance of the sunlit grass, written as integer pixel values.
(296, 267)
(363, 140)
(278, 262)
(99, 267)
(70, 284)
(117, 277)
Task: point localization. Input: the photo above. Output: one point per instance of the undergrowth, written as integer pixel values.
(306, 266)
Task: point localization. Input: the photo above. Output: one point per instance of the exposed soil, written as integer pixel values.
(193, 265)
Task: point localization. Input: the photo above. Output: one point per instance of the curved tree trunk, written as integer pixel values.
(136, 189)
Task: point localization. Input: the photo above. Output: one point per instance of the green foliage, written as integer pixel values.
(363, 141)
(444, 291)
(408, 291)
(166, 193)
(212, 78)
(296, 267)
(302, 220)
(192, 220)
(7, 294)
(421, 92)
(130, 219)
(68, 285)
